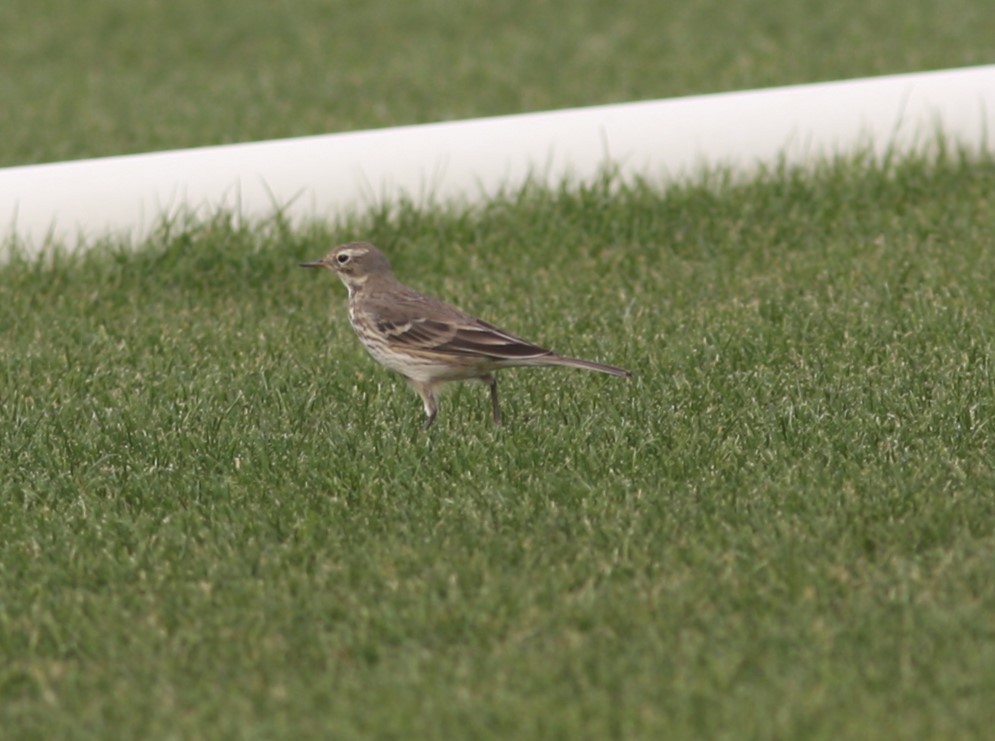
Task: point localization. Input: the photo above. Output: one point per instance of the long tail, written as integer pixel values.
(554, 359)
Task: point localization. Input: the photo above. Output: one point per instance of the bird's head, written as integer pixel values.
(354, 263)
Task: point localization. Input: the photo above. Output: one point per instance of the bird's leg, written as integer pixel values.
(431, 406)
(491, 380)
(427, 394)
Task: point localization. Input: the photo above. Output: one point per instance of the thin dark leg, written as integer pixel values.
(491, 380)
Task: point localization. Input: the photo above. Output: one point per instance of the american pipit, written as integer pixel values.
(426, 340)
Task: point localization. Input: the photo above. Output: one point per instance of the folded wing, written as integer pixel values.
(473, 337)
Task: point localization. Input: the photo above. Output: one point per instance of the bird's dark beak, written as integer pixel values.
(313, 264)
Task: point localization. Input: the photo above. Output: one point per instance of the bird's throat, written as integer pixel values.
(354, 283)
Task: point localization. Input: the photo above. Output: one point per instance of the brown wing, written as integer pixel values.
(474, 337)
(481, 337)
(424, 323)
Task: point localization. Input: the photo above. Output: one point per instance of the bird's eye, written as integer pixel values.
(342, 259)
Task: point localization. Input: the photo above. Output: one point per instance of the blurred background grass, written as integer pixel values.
(111, 77)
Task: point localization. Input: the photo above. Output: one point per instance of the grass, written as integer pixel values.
(220, 519)
(106, 77)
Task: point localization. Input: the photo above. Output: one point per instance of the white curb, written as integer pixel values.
(320, 176)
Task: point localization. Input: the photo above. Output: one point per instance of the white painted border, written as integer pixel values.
(320, 176)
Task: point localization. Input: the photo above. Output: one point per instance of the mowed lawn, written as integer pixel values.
(221, 519)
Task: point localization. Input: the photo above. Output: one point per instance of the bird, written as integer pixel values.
(428, 341)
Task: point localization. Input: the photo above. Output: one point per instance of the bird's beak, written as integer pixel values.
(313, 264)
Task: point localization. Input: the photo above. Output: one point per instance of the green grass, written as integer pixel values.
(218, 518)
(109, 77)
(221, 519)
